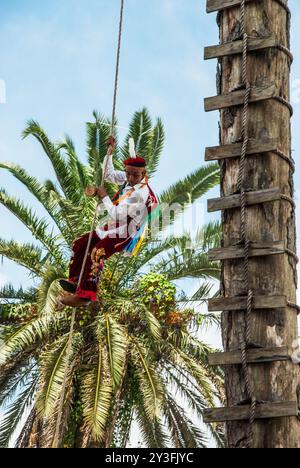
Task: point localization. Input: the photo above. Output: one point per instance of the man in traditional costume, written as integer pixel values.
(129, 213)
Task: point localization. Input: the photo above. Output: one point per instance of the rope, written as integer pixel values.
(286, 158)
(285, 103)
(56, 439)
(289, 199)
(246, 339)
(286, 51)
(292, 305)
(292, 254)
(113, 118)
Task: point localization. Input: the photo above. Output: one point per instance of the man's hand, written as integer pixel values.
(111, 144)
(91, 191)
(102, 192)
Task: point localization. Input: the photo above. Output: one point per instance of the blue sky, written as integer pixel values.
(57, 60)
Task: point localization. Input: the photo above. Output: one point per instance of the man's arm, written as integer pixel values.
(116, 177)
(110, 174)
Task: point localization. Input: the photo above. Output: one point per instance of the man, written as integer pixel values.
(128, 212)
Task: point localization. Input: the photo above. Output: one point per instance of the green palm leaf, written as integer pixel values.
(16, 410)
(38, 227)
(97, 389)
(140, 130)
(27, 255)
(117, 345)
(156, 147)
(53, 152)
(39, 191)
(185, 433)
(150, 384)
(53, 372)
(152, 430)
(35, 331)
(192, 187)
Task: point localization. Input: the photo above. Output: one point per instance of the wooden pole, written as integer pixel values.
(268, 222)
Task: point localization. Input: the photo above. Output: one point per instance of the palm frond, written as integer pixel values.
(195, 402)
(60, 166)
(97, 389)
(153, 324)
(38, 190)
(53, 372)
(152, 431)
(117, 345)
(15, 379)
(188, 265)
(140, 130)
(68, 212)
(97, 136)
(21, 339)
(191, 188)
(149, 381)
(184, 432)
(27, 255)
(78, 173)
(16, 411)
(38, 227)
(156, 147)
(209, 236)
(49, 289)
(198, 372)
(27, 431)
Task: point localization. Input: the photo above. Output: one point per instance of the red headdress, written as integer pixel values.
(135, 162)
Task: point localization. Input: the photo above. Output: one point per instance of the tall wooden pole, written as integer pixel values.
(268, 165)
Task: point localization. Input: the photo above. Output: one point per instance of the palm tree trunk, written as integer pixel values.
(35, 435)
(268, 222)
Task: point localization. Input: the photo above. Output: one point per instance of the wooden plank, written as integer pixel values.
(236, 47)
(263, 411)
(256, 250)
(240, 303)
(252, 198)
(217, 5)
(236, 98)
(254, 356)
(234, 150)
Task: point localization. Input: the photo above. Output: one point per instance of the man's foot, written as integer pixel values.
(74, 301)
(68, 286)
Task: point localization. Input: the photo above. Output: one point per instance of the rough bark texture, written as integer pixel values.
(269, 222)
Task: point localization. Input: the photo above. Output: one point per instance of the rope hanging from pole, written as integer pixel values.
(57, 435)
(113, 118)
(245, 337)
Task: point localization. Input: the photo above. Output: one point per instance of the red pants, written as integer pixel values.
(99, 251)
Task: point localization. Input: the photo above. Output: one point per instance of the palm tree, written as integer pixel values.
(135, 356)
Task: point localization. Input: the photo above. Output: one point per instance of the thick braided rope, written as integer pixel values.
(286, 51)
(56, 439)
(113, 118)
(285, 103)
(246, 340)
(286, 158)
